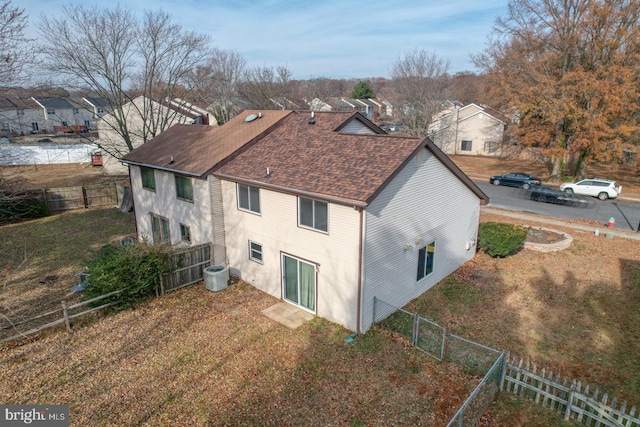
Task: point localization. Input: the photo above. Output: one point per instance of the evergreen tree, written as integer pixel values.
(362, 90)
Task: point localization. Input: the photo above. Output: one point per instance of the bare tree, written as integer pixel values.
(217, 82)
(420, 80)
(266, 87)
(14, 46)
(113, 55)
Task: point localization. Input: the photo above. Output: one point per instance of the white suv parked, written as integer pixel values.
(603, 189)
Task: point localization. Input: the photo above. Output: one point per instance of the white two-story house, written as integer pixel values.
(322, 210)
(468, 130)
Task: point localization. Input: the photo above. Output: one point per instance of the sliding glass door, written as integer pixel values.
(299, 282)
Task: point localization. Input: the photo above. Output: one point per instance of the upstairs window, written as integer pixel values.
(426, 256)
(148, 178)
(20, 112)
(249, 198)
(466, 146)
(184, 190)
(313, 214)
(51, 111)
(76, 111)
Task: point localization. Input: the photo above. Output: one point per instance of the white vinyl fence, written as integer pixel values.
(13, 155)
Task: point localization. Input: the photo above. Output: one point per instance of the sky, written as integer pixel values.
(324, 38)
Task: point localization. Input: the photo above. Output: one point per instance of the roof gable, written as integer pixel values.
(314, 157)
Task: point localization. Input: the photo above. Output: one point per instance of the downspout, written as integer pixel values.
(133, 205)
(361, 270)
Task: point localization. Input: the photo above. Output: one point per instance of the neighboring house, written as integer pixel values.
(468, 130)
(20, 116)
(374, 109)
(98, 107)
(323, 210)
(63, 115)
(112, 142)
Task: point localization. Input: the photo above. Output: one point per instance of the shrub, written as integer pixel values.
(132, 268)
(16, 207)
(500, 239)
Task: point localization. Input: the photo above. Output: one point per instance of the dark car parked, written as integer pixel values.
(551, 195)
(516, 179)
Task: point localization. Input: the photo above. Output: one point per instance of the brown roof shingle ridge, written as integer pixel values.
(314, 158)
(311, 157)
(197, 149)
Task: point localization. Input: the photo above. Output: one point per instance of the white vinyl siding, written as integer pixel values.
(217, 221)
(356, 126)
(162, 202)
(422, 204)
(336, 255)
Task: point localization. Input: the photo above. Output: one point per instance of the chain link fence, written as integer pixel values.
(433, 339)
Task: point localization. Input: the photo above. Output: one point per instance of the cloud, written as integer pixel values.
(332, 38)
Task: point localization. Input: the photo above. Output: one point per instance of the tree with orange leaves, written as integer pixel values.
(570, 69)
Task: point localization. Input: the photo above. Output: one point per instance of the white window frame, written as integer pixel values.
(240, 190)
(315, 204)
(425, 268)
(256, 248)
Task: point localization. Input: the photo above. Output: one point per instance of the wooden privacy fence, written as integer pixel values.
(186, 267)
(566, 397)
(66, 316)
(66, 198)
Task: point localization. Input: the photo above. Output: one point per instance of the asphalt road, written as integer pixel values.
(626, 213)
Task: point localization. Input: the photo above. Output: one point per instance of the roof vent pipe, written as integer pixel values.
(312, 120)
(268, 173)
(171, 160)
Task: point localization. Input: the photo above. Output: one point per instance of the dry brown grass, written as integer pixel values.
(36, 177)
(199, 358)
(195, 358)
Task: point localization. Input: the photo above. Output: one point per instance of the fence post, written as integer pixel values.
(445, 343)
(414, 338)
(503, 370)
(85, 202)
(65, 313)
(567, 412)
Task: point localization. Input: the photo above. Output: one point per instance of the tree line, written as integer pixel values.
(566, 72)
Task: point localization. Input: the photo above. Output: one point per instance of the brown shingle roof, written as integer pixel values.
(315, 159)
(196, 149)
